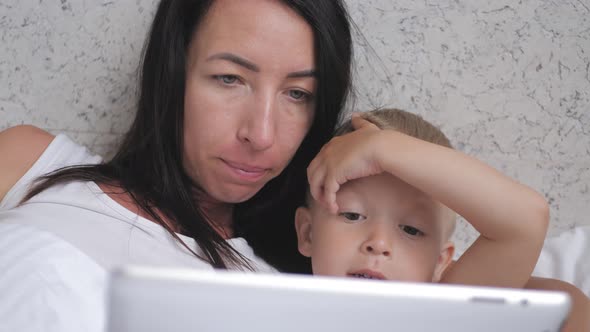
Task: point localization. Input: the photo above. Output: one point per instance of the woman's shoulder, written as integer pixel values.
(31, 153)
(20, 147)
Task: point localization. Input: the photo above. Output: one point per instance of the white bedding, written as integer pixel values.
(566, 257)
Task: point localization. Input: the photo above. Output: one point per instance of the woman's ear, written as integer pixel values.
(444, 260)
(303, 228)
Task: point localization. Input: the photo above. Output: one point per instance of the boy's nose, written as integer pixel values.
(258, 125)
(377, 249)
(379, 243)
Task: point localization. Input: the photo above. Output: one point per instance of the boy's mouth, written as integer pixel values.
(366, 274)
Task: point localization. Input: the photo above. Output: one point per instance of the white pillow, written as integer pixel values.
(567, 257)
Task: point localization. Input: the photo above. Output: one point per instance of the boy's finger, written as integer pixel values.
(359, 122)
(355, 115)
(316, 162)
(315, 178)
(314, 168)
(315, 190)
(334, 208)
(311, 169)
(330, 191)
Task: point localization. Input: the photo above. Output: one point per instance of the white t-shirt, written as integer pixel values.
(57, 248)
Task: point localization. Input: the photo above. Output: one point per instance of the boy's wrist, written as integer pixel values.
(388, 150)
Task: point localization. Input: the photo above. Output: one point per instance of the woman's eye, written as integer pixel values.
(413, 231)
(299, 95)
(226, 79)
(351, 216)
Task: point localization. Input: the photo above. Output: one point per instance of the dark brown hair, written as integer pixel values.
(148, 164)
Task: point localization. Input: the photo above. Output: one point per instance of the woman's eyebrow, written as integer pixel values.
(253, 67)
(235, 59)
(304, 73)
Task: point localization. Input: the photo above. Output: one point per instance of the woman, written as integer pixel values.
(163, 162)
(236, 98)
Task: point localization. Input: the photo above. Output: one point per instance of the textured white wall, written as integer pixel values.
(70, 66)
(508, 81)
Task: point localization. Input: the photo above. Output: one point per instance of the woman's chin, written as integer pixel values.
(236, 195)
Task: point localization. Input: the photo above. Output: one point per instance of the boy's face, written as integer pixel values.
(384, 229)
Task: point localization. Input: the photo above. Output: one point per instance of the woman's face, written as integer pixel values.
(249, 99)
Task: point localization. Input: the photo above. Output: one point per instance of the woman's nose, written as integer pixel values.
(257, 128)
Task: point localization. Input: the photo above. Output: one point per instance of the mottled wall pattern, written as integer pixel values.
(508, 81)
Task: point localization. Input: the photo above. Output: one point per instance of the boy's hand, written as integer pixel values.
(344, 158)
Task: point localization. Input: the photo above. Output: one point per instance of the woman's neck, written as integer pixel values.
(219, 215)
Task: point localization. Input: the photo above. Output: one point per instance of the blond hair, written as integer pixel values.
(410, 124)
(402, 121)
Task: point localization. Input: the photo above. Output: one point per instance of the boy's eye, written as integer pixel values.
(413, 231)
(352, 216)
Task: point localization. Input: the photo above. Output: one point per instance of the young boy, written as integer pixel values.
(380, 207)
(382, 202)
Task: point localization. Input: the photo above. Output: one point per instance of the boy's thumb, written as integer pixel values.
(358, 122)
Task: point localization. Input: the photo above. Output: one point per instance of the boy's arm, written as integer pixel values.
(579, 317)
(511, 218)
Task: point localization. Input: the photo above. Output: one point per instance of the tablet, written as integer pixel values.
(144, 299)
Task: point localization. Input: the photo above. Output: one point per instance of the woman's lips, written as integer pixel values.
(245, 172)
